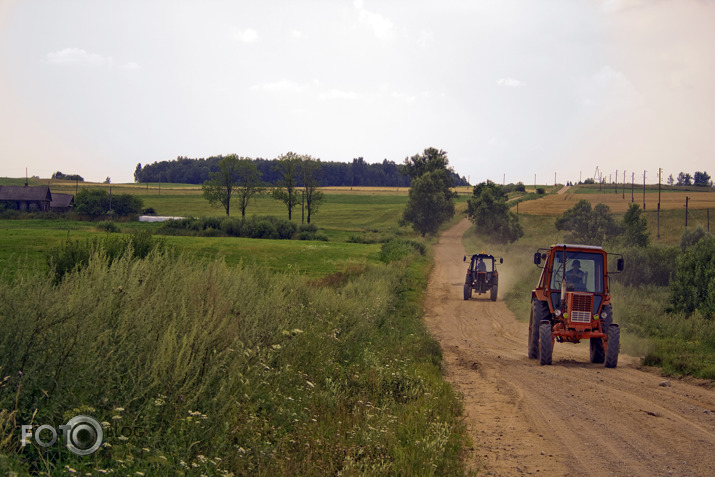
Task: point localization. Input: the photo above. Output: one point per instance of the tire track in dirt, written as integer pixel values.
(571, 418)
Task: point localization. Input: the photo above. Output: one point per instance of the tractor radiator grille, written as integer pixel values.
(581, 316)
(581, 306)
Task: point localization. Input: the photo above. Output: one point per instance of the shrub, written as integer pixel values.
(400, 248)
(308, 228)
(108, 226)
(693, 286)
(72, 255)
(692, 236)
(652, 265)
(264, 229)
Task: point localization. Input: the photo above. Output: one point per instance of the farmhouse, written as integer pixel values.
(34, 199)
(31, 198)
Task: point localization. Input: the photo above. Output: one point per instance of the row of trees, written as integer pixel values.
(238, 177)
(67, 177)
(334, 174)
(701, 179)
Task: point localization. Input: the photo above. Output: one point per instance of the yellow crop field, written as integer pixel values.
(556, 204)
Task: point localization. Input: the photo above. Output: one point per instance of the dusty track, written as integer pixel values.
(571, 418)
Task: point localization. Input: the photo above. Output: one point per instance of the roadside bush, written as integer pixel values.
(400, 248)
(653, 265)
(693, 286)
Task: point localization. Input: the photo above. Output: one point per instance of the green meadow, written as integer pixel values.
(228, 356)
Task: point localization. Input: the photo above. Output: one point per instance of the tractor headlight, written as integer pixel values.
(557, 312)
(604, 315)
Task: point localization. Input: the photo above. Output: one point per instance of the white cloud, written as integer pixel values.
(403, 97)
(337, 94)
(282, 85)
(611, 90)
(77, 56)
(381, 27)
(297, 34)
(130, 66)
(510, 82)
(246, 36)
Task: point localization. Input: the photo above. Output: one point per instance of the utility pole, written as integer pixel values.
(660, 170)
(616, 189)
(633, 179)
(503, 181)
(554, 179)
(644, 190)
(686, 211)
(623, 187)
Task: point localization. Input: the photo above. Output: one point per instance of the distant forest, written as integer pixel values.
(332, 174)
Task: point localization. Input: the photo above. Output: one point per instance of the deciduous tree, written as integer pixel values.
(286, 190)
(489, 211)
(310, 172)
(586, 225)
(220, 185)
(431, 199)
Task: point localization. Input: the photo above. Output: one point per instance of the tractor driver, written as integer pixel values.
(481, 266)
(575, 276)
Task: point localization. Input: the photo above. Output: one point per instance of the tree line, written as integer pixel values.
(332, 174)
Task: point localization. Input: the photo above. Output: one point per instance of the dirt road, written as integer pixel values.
(572, 418)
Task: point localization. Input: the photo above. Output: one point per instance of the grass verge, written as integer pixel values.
(201, 368)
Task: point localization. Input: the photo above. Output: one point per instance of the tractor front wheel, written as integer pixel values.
(546, 343)
(539, 312)
(597, 355)
(467, 291)
(613, 345)
(493, 295)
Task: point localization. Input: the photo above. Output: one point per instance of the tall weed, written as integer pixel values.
(201, 368)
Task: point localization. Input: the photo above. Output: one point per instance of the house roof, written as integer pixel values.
(37, 193)
(61, 200)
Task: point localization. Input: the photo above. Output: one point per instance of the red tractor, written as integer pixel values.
(482, 276)
(572, 302)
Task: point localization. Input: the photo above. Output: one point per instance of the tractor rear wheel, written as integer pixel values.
(546, 343)
(494, 292)
(613, 345)
(467, 291)
(597, 355)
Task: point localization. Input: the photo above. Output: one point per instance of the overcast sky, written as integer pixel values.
(508, 88)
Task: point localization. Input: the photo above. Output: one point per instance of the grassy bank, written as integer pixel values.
(198, 367)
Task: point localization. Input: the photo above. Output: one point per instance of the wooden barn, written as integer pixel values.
(29, 198)
(61, 202)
